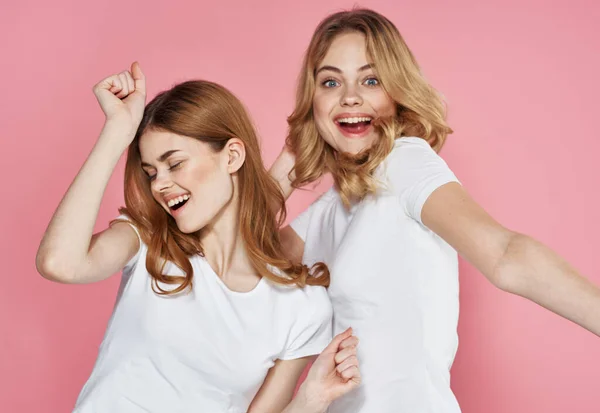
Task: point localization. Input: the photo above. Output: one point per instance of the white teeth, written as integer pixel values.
(354, 120)
(178, 200)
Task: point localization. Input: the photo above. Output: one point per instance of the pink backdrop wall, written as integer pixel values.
(521, 79)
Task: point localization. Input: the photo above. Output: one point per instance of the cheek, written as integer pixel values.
(384, 105)
(202, 180)
(212, 188)
(323, 105)
(319, 112)
(156, 197)
(322, 115)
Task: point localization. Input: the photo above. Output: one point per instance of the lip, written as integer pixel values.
(176, 212)
(352, 115)
(353, 135)
(173, 196)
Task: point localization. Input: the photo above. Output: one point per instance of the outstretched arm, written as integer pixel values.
(513, 262)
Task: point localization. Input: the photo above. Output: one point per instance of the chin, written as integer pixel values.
(189, 228)
(353, 146)
(355, 149)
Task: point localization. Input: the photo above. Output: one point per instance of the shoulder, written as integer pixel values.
(124, 223)
(316, 300)
(313, 298)
(314, 213)
(313, 312)
(327, 198)
(408, 149)
(412, 160)
(408, 154)
(315, 294)
(309, 316)
(325, 202)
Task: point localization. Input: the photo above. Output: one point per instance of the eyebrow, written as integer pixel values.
(162, 157)
(337, 70)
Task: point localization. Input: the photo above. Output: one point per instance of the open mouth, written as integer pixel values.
(178, 203)
(355, 125)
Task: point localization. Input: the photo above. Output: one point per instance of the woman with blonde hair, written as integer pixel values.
(392, 225)
(210, 315)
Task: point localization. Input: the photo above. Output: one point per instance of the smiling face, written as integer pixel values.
(348, 95)
(189, 179)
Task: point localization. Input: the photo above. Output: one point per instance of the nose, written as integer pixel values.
(351, 97)
(161, 182)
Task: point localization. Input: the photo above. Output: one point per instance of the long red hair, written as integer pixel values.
(210, 113)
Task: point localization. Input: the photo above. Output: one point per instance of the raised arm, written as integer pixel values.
(68, 252)
(281, 170)
(513, 262)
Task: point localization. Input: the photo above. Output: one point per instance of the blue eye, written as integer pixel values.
(330, 83)
(371, 81)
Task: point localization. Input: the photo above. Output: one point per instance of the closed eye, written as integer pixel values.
(171, 167)
(148, 175)
(175, 166)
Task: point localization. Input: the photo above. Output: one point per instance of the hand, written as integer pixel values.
(334, 373)
(122, 98)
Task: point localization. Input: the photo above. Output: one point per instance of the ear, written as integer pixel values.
(236, 154)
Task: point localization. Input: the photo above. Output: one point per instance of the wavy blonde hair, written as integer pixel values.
(420, 109)
(210, 113)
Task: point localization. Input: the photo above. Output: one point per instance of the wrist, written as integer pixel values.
(121, 125)
(119, 134)
(310, 400)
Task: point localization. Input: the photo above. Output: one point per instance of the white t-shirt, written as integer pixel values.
(394, 282)
(205, 351)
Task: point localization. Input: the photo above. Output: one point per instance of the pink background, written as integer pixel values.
(521, 79)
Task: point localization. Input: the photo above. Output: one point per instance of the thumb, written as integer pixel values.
(138, 78)
(337, 340)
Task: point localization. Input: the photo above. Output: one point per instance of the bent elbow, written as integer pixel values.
(50, 267)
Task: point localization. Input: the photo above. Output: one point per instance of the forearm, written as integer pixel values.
(530, 269)
(67, 239)
(281, 169)
(304, 403)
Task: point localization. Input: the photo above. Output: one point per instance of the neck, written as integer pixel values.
(223, 245)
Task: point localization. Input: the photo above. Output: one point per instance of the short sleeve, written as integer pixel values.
(133, 261)
(312, 329)
(415, 170)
